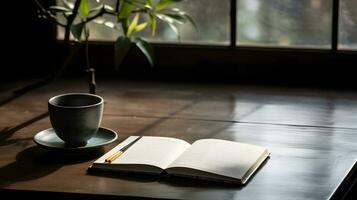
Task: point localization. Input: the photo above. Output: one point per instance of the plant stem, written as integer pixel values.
(71, 18)
(86, 33)
(70, 21)
(70, 51)
(91, 72)
(48, 15)
(117, 5)
(91, 81)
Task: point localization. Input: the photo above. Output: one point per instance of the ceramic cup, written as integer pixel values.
(76, 117)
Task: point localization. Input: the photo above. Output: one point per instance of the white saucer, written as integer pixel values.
(48, 139)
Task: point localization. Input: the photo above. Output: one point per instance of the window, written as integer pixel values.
(302, 42)
(288, 23)
(212, 22)
(348, 25)
(304, 24)
(304, 32)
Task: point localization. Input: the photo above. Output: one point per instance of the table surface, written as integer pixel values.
(312, 135)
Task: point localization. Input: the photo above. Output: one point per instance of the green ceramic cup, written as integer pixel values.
(76, 117)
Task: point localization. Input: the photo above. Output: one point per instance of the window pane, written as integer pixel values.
(285, 23)
(211, 17)
(348, 24)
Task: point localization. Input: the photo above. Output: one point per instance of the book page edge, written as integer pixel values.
(255, 167)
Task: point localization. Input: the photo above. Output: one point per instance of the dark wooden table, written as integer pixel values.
(312, 135)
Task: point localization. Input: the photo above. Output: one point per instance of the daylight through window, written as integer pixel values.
(260, 23)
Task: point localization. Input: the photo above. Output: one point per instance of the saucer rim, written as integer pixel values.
(75, 148)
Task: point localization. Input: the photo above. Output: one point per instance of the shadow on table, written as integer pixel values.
(143, 178)
(197, 183)
(8, 96)
(172, 181)
(7, 133)
(35, 162)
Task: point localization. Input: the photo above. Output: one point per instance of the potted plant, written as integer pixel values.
(130, 16)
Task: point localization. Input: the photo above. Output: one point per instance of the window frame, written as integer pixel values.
(245, 62)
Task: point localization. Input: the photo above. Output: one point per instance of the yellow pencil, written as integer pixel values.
(121, 151)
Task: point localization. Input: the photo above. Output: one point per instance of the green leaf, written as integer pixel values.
(99, 20)
(170, 21)
(146, 49)
(86, 31)
(121, 48)
(76, 30)
(177, 14)
(153, 24)
(138, 3)
(125, 11)
(140, 27)
(175, 29)
(110, 24)
(163, 4)
(132, 25)
(124, 25)
(165, 18)
(190, 19)
(102, 21)
(108, 7)
(84, 8)
(179, 18)
(96, 9)
(68, 4)
(149, 2)
(59, 9)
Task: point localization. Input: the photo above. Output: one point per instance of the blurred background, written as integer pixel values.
(285, 42)
(275, 23)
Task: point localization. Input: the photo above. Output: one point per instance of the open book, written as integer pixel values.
(210, 159)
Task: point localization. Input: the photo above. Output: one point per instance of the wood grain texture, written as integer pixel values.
(311, 134)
